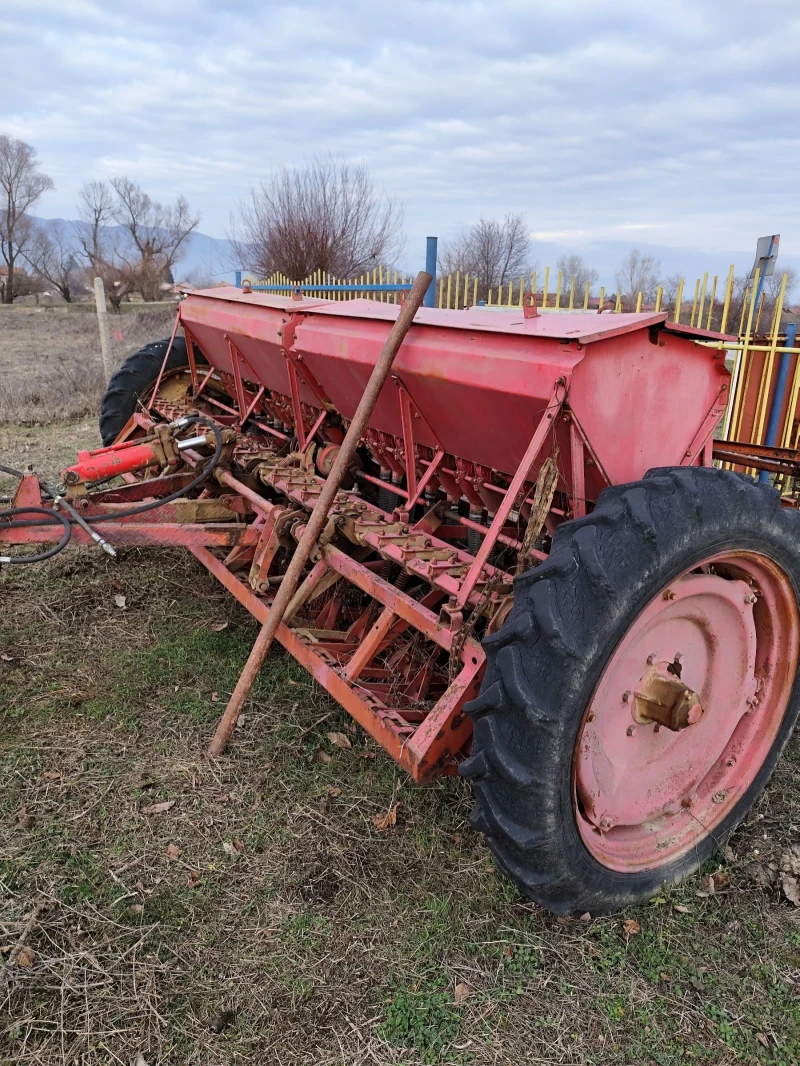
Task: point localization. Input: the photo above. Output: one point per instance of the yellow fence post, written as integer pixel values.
(602, 298)
(711, 300)
(586, 288)
(678, 301)
(659, 295)
(766, 373)
(702, 302)
(639, 297)
(475, 290)
(727, 305)
(545, 286)
(746, 364)
(694, 301)
(558, 289)
(572, 293)
(449, 289)
(457, 290)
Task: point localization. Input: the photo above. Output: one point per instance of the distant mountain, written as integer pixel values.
(205, 258)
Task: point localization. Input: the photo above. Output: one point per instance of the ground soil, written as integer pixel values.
(250, 909)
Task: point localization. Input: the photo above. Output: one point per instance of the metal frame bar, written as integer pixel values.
(544, 427)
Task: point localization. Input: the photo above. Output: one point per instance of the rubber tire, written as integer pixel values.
(136, 375)
(569, 615)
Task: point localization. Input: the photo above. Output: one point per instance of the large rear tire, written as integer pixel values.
(135, 378)
(585, 807)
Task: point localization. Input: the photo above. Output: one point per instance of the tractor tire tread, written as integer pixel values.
(569, 613)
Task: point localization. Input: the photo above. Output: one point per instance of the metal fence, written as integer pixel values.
(763, 360)
(710, 307)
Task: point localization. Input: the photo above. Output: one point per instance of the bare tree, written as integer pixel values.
(52, 254)
(157, 233)
(574, 266)
(21, 185)
(773, 282)
(129, 240)
(670, 294)
(637, 273)
(99, 244)
(326, 215)
(495, 252)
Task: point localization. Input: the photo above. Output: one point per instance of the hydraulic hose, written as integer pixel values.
(54, 518)
(67, 522)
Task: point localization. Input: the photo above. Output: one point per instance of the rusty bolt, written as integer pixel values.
(731, 761)
(591, 717)
(669, 595)
(688, 801)
(626, 695)
(606, 823)
(631, 730)
(750, 598)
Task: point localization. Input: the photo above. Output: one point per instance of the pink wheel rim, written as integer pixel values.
(643, 793)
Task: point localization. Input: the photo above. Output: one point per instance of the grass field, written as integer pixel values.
(259, 909)
(50, 365)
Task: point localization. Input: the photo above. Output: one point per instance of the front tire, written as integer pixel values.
(584, 808)
(134, 379)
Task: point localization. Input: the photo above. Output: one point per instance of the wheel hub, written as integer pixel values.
(662, 698)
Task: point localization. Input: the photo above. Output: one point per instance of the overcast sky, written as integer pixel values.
(659, 122)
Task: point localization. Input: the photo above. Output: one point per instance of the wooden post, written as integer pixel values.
(102, 323)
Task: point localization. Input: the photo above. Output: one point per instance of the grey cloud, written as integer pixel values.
(677, 116)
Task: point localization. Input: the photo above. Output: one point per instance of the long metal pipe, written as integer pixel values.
(319, 515)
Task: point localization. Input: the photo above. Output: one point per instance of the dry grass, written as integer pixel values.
(50, 364)
(263, 918)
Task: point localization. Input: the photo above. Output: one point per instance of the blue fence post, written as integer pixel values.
(238, 279)
(430, 266)
(780, 391)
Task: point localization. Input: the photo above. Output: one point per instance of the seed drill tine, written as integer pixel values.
(319, 515)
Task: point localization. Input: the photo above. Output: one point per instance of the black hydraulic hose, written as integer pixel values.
(112, 517)
(54, 517)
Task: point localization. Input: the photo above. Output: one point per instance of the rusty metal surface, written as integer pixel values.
(759, 456)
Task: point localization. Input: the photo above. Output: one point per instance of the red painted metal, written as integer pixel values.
(643, 792)
(110, 462)
(388, 611)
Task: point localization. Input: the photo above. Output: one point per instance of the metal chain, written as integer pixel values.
(465, 632)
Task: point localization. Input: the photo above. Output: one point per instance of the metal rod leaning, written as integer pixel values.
(319, 515)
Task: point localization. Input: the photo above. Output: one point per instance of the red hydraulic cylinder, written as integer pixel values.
(109, 462)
